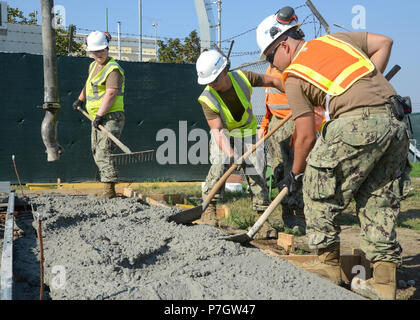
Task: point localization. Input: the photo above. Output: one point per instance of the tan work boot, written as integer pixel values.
(209, 216)
(326, 265)
(109, 190)
(383, 285)
(266, 231)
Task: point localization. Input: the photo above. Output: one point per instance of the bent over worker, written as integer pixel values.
(281, 152)
(226, 103)
(104, 96)
(362, 150)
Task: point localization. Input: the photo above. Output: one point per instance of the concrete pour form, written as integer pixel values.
(125, 249)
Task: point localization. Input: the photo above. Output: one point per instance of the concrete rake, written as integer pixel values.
(128, 156)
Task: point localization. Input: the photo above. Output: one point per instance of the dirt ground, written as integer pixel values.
(350, 238)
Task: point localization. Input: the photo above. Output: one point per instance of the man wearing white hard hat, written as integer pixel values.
(104, 97)
(226, 103)
(362, 151)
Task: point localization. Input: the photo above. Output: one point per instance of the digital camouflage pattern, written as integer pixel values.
(253, 168)
(282, 153)
(103, 147)
(362, 156)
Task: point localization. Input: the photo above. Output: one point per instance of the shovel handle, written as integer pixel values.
(273, 205)
(109, 134)
(223, 179)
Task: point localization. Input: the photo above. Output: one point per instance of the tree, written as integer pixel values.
(62, 36)
(174, 51)
(14, 15)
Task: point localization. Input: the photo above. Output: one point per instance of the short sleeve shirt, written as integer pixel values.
(370, 90)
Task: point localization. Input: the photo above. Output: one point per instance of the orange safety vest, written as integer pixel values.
(330, 64)
(276, 104)
(275, 100)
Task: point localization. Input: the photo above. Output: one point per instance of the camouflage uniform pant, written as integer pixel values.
(365, 157)
(281, 153)
(103, 147)
(253, 167)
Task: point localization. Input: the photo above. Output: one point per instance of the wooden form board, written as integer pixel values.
(7, 254)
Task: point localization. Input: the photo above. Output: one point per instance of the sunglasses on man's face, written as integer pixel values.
(270, 57)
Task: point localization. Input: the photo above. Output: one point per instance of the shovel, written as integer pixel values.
(188, 216)
(127, 156)
(247, 237)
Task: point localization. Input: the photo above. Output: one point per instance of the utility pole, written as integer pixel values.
(156, 49)
(140, 36)
(51, 99)
(71, 36)
(119, 39)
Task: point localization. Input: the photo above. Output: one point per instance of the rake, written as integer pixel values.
(128, 156)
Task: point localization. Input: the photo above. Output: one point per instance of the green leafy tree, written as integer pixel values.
(62, 39)
(14, 15)
(174, 51)
(62, 36)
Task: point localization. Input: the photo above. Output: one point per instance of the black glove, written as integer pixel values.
(279, 172)
(292, 181)
(98, 120)
(77, 103)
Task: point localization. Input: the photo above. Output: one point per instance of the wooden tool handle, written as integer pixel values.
(109, 134)
(273, 205)
(223, 179)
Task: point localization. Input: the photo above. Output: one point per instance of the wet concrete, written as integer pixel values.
(125, 249)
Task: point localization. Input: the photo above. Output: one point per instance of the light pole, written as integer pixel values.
(119, 39)
(155, 25)
(140, 36)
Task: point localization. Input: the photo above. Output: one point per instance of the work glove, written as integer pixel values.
(292, 181)
(279, 172)
(77, 103)
(98, 120)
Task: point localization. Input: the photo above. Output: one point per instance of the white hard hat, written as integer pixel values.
(269, 30)
(209, 65)
(96, 41)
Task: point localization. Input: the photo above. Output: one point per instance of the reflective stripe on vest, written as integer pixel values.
(248, 124)
(275, 99)
(96, 88)
(329, 64)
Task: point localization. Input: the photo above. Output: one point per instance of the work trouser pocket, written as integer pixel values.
(320, 179)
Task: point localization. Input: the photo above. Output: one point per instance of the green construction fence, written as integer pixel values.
(157, 96)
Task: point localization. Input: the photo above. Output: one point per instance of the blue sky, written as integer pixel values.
(177, 18)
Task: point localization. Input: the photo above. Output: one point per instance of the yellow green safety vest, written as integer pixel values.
(247, 126)
(96, 88)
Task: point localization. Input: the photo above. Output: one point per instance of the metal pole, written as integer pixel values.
(318, 16)
(106, 18)
(140, 36)
(71, 36)
(51, 102)
(219, 25)
(156, 49)
(119, 40)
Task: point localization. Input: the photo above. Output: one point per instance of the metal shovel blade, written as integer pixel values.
(187, 216)
(240, 238)
(247, 237)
